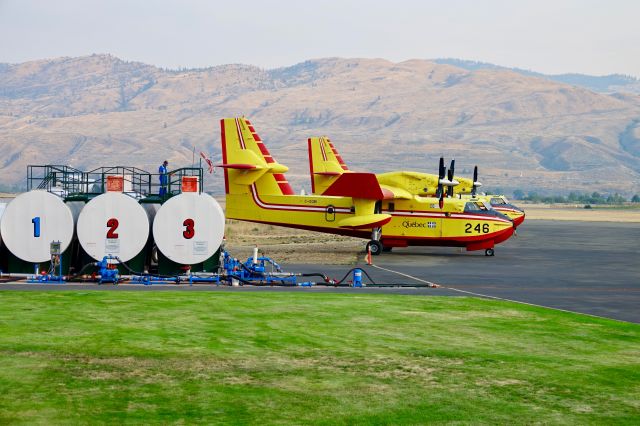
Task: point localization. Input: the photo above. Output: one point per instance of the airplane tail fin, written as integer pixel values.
(325, 164)
(247, 161)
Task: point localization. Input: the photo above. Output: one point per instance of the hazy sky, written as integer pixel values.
(588, 36)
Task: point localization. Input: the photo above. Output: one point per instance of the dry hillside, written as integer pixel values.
(523, 132)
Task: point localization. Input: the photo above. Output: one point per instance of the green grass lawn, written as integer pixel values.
(200, 357)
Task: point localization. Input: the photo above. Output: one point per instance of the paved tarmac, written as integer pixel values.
(587, 267)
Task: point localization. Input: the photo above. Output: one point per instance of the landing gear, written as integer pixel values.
(489, 252)
(375, 247)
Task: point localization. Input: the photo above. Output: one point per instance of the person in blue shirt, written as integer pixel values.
(162, 170)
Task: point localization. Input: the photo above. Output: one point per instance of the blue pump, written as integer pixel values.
(357, 277)
(108, 271)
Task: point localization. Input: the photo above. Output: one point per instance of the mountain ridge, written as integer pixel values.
(543, 135)
(610, 83)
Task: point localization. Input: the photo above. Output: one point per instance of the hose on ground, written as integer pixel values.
(350, 271)
(143, 274)
(316, 274)
(79, 273)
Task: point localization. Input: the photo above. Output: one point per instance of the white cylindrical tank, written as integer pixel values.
(189, 227)
(31, 221)
(113, 224)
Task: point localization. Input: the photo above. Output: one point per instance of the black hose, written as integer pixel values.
(143, 274)
(316, 274)
(260, 274)
(374, 284)
(401, 285)
(79, 273)
(131, 271)
(283, 283)
(353, 269)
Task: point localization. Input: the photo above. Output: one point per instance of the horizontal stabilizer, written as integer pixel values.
(356, 185)
(327, 173)
(240, 166)
(365, 221)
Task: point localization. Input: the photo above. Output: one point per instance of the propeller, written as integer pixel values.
(450, 178)
(441, 174)
(440, 191)
(476, 184)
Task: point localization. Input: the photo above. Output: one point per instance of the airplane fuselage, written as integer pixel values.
(415, 222)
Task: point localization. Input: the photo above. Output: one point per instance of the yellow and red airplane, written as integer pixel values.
(353, 204)
(325, 163)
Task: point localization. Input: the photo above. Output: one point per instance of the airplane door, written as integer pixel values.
(330, 213)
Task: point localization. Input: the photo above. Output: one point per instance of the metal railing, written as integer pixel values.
(174, 180)
(57, 179)
(67, 181)
(136, 181)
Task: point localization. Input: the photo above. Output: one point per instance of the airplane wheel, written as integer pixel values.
(489, 252)
(375, 247)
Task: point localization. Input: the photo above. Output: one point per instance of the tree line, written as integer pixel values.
(575, 197)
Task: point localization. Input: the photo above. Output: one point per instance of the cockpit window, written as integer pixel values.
(497, 201)
(474, 206)
(470, 207)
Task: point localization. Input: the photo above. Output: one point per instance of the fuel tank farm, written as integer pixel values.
(141, 223)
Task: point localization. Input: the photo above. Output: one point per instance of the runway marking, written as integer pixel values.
(496, 297)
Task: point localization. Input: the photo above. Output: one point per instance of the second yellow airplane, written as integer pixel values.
(325, 164)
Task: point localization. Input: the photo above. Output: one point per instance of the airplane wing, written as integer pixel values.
(365, 191)
(396, 192)
(357, 185)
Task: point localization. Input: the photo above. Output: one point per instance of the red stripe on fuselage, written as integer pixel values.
(506, 209)
(291, 207)
(468, 216)
(462, 241)
(412, 241)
